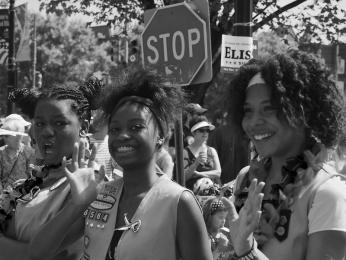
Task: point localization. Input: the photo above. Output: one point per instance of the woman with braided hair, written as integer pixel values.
(60, 117)
(290, 110)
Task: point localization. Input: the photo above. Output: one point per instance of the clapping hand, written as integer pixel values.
(81, 176)
(243, 225)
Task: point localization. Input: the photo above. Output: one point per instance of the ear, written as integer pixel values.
(160, 141)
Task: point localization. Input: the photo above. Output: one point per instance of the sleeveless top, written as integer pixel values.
(35, 211)
(190, 158)
(152, 237)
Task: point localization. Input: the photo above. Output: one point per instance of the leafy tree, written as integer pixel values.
(67, 52)
(309, 24)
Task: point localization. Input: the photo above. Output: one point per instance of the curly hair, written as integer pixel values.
(301, 88)
(85, 97)
(167, 101)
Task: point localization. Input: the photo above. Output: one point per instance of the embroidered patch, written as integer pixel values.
(105, 217)
(103, 202)
(92, 214)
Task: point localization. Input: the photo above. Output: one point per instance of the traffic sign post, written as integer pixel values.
(176, 45)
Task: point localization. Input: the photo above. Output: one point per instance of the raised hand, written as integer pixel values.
(81, 176)
(243, 225)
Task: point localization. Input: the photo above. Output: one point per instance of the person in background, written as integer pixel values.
(291, 110)
(99, 139)
(215, 211)
(200, 160)
(191, 110)
(60, 117)
(15, 156)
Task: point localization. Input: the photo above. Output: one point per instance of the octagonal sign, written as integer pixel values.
(174, 43)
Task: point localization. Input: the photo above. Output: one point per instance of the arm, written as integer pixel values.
(326, 245)
(191, 227)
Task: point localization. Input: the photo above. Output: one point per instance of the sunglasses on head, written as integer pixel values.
(203, 130)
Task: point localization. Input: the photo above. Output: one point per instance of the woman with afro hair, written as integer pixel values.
(290, 109)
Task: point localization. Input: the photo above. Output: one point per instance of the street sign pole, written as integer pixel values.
(175, 46)
(179, 147)
(242, 27)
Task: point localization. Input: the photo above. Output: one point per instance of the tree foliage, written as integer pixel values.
(67, 51)
(314, 21)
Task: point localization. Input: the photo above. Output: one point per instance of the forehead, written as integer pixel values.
(257, 94)
(53, 107)
(131, 111)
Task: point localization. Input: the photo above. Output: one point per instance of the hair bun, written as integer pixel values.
(91, 89)
(25, 99)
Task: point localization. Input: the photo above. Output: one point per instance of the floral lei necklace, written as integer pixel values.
(276, 205)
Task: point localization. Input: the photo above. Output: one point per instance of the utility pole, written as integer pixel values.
(243, 17)
(11, 58)
(34, 58)
(242, 27)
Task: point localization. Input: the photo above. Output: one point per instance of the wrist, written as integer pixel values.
(245, 247)
(250, 254)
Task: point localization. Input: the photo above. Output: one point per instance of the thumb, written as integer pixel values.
(67, 172)
(100, 175)
(232, 212)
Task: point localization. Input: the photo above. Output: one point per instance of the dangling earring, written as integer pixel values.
(82, 133)
(160, 141)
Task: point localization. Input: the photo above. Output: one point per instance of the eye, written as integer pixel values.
(38, 124)
(60, 123)
(137, 127)
(247, 111)
(113, 130)
(270, 110)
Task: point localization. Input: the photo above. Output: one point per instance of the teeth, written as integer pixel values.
(124, 149)
(262, 136)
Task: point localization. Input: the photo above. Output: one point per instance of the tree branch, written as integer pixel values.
(277, 13)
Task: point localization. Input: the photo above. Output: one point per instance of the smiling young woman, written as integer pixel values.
(291, 111)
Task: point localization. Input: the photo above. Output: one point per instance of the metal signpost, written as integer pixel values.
(175, 44)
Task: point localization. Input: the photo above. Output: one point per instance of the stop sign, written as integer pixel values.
(174, 43)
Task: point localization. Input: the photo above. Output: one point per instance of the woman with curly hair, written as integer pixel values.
(290, 110)
(60, 117)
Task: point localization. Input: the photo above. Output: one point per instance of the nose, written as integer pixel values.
(46, 130)
(123, 135)
(256, 119)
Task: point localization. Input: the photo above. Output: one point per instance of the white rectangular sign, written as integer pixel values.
(235, 52)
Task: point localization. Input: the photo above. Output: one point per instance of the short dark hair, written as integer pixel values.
(302, 89)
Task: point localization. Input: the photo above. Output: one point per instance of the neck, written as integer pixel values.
(139, 179)
(198, 143)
